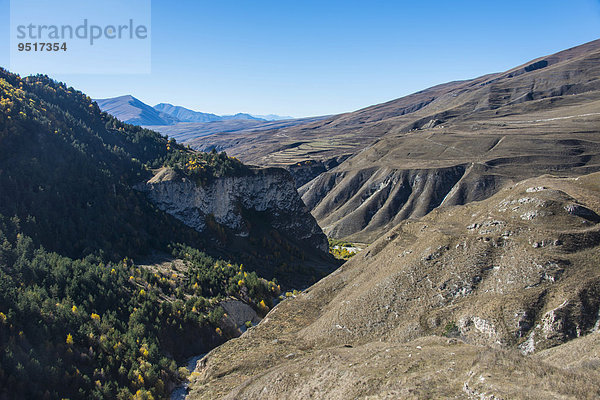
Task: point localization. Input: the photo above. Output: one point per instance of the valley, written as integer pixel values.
(447, 145)
(116, 263)
(441, 245)
(480, 201)
(361, 173)
(467, 301)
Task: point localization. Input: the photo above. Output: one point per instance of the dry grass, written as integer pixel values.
(373, 328)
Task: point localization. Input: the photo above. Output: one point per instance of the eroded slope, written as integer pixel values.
(466, 144)
(503, 278)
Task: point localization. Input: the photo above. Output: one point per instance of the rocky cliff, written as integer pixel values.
(261, 208)
(267, 190)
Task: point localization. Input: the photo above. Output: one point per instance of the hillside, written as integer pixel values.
(321, 139)
(465, 144)
(68, 172)
(573, 71)
(446, 145)
(79, 318)
(493, 299)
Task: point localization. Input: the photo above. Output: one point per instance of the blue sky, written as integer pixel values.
(307, 57)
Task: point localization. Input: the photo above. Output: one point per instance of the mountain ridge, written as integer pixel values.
(182, 114)
(492, 129)
(131, 110)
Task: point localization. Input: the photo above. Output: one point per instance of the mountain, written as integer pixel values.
(83, 195)
(184, 124)
(133, 111)
(446, 145)
(467, 142)
(273, 117)
(188, 132)
(181, 114)
(564, 74)
(493, 299)
(241, 116)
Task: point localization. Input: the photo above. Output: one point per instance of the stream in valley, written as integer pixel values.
(180, 392)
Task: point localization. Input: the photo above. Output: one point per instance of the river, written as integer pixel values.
(180, 392)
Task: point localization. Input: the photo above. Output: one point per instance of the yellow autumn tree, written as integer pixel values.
(143, 394)
(263, 306)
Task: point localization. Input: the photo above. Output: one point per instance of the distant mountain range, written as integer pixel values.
(185, 125)
(133, 111)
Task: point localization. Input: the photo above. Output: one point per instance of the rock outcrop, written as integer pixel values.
(239, 313)
(255, 218)
(225, 200)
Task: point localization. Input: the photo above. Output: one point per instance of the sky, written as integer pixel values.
(307, 58)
